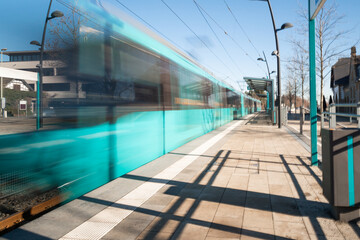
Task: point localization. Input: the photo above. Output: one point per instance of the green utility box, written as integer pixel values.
(341, 171)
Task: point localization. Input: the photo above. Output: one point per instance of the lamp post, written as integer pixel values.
(54, 14)
(267, 65)
(277, 53)
(271, 73)
(2, 94)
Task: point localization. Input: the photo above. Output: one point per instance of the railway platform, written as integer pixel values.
(245, 180)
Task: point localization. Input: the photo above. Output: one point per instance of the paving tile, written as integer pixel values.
(234, 197)
(260, 203)
(225, 227)
(349, 230)
(204, 211)
(129, 229)
(154, 235)
(291, 230)
(280, 190)
(191, 230)
(221, 238)
(255, 233)
(238, 182)
(229, 211)
(165, 223)
(257, 218)
(179, 206)
(285, 209)
(211, 193)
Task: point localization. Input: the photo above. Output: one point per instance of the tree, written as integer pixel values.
(294, 78)
(64, 37)
(65, 31)
(298, 66)
(329, 43)
(289, 92)
(330, 40)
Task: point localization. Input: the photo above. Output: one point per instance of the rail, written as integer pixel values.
(333, 114)
(322, 116)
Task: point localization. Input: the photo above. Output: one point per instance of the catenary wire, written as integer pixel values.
(216, 36)
(188, 27)
(242, 29)
(235, 42)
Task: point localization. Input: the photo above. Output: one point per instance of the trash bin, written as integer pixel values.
(341, 171)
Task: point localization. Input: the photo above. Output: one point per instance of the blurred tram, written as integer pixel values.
(137, 98)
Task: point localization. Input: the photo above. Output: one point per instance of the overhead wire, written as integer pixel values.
(217, 37)
(202, 41)
(235, 42)
(151, 26)
(158, 31)
(242, 29)
(93, 20)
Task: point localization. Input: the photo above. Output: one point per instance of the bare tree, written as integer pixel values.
(330, 40)
(300, 64)
(64, 38)
(289, 96)
(295, 78)
(65, 31)
(329, 44)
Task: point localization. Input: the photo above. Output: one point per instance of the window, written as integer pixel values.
(56, 87)
(27, 57)
(61, 71)
(17, 58)
(35, 57)
(48, 71)
(16, 87)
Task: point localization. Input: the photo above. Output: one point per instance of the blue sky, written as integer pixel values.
(23, 20)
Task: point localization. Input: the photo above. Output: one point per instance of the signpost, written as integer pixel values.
(22, 107)
(314, 8)
(3, 105)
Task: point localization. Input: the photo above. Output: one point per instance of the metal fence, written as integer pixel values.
(333, 114)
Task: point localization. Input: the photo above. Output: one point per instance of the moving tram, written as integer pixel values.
(136, 98)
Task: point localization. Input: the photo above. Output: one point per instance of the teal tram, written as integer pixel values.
(136, 98)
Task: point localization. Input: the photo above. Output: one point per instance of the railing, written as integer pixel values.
(322, 116)
(332, 114)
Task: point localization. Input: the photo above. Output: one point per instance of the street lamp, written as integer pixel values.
(39, 108)
(2, 94)
(267, 65)
(277, 54)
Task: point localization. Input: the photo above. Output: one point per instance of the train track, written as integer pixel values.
(18, 218)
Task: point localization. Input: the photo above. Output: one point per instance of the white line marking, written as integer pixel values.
(103, 222)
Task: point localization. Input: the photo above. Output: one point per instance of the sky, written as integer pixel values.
(230, 56)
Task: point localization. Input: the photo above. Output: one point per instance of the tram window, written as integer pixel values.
(60, 87)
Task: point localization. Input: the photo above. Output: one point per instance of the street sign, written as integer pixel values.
(315, 6)
(22, 105)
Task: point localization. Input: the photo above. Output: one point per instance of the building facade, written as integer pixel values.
(55, 84)
(345, 80)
